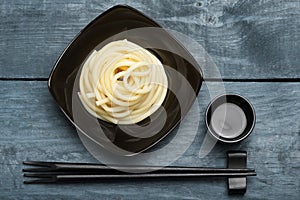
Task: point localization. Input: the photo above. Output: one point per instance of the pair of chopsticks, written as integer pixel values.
(51, 172)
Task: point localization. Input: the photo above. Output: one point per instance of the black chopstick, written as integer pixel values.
(51, 172)
(53, 178)
(94, 168)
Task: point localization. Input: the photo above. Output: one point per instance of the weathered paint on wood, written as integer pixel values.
(34, 128)
(246, 39)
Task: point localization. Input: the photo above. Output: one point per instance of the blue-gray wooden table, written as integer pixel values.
(255, 45)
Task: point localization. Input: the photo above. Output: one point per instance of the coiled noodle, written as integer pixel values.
(122, 83)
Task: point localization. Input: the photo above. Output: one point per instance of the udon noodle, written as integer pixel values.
(122, 83)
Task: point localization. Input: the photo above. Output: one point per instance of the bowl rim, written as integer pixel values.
(233, 140)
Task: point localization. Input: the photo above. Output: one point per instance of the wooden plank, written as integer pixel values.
(34, 128)
(246, 39)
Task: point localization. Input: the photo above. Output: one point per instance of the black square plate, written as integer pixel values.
(110, 26)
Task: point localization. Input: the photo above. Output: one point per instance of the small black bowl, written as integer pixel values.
(236, 101)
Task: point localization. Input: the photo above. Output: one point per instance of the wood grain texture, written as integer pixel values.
(246, 39)
(34, 128)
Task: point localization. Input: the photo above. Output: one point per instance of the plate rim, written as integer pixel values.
(55, 66)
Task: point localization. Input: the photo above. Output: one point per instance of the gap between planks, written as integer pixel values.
(206, 79)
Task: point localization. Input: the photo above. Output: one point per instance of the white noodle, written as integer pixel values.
(122, 83)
